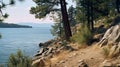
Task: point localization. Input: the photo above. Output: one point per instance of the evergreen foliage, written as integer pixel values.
(57, 30)
(47, 7)
(91, 10)
(84, 36)
(19, 60)
(71, 16)
(44, 7)
(4, 5)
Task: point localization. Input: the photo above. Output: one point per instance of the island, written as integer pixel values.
(11, 25)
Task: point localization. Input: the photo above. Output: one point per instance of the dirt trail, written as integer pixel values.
(91, 55)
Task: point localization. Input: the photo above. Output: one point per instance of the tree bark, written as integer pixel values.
(88, 14)
(90, 23)
(66, 23)
(118, 5)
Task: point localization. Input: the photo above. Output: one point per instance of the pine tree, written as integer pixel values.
(118, 5)
(45, 7)
(93, 9)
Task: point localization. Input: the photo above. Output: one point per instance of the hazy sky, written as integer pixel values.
(20, 13)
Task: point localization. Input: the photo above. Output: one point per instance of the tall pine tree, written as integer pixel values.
(93, 9)
(45, 7)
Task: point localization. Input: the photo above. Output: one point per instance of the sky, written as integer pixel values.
(19, 13)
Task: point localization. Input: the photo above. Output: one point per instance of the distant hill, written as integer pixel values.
(33, 24)
(10, 25)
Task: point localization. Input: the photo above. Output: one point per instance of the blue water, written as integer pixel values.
(26, 39)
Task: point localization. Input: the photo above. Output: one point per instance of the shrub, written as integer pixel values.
(84, 36)
(108, 21)
(1, 65)
(19, 60)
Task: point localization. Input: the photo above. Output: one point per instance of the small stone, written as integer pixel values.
(80, 61)
(118, 65)
(106, 63)
(82, 65)
(62, 61)
(74, 54)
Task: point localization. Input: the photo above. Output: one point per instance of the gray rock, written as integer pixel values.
(81, 63)
(41, 50)
(39, 63)
(41, 44)
(62, 61)
(106, 63)
(44, 53)
(108, 32)
(49, 51)
(112, 36)
(117, 52)
(112, 50)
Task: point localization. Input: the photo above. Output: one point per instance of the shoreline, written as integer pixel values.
(54, 54)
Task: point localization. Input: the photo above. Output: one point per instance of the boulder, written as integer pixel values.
(112, 35)
(46, 44)
(41, 44)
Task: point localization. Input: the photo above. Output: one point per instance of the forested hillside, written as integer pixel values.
(7, 25)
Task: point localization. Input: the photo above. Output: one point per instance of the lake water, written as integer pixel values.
(26, 39)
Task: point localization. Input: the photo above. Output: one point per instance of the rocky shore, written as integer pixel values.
(105, 53)
(48, 50)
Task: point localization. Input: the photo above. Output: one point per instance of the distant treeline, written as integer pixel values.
(7, 25)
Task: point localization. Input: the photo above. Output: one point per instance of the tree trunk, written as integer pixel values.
(118, 5)
(92, 23)
(88, 14)
(66, 23)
